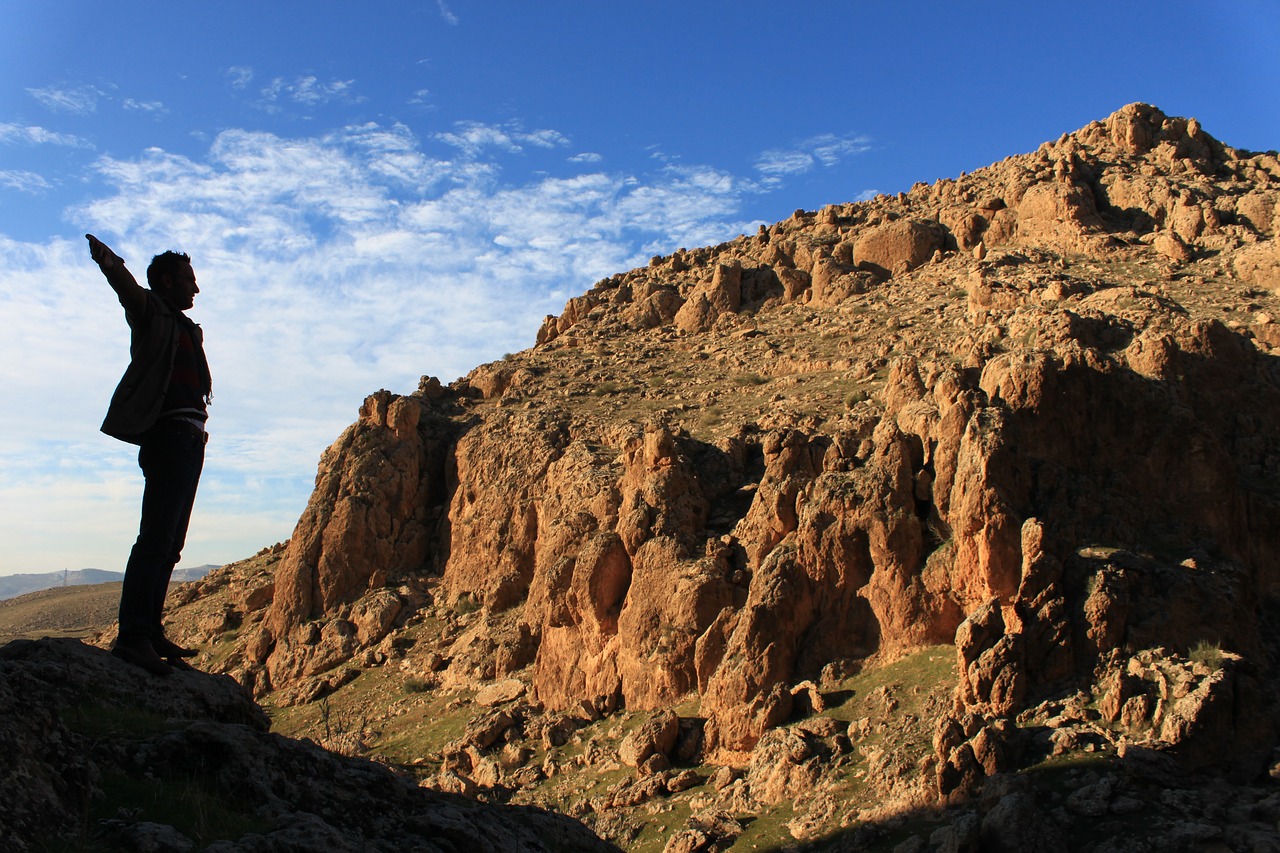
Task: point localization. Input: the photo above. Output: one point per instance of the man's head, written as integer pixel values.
(170, 274)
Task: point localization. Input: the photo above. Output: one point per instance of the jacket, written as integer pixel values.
(153, 343)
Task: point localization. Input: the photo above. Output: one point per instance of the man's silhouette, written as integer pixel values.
(161, 406)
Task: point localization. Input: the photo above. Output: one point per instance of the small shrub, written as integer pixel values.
(416, 685)
(1207, 653)
(464, 604)
(710, 417)
(855, 397)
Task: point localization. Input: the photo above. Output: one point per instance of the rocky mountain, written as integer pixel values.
(933, 521)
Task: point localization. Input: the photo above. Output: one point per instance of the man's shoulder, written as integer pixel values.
(151, 308)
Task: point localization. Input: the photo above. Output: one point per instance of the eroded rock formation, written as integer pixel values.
(1034, 411)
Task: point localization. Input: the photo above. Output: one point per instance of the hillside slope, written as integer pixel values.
(1031, 413)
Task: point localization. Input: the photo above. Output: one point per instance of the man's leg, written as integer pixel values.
(171, 460)
(190, 463)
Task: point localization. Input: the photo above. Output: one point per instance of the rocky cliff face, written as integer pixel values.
(1033, 411)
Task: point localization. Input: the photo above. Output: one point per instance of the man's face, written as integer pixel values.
(182, 288)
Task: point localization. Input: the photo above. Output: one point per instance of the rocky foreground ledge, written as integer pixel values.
(99, 755)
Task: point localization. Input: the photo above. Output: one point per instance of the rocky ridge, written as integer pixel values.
(1031, 414)
(187, 763)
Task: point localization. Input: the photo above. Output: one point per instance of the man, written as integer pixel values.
(161, 405)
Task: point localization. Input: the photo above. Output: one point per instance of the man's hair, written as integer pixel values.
(168, 263)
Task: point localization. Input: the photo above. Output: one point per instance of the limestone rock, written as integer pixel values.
(367, 520)
(500, 692)
(783, 765)
(1259, 265)
(898, 247)
(655, 736)
(723, 295)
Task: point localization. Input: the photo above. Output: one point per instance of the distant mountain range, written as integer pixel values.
(15, 585)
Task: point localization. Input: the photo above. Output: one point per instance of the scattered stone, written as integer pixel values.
(501, 692)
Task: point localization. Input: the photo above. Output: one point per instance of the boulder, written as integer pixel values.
(898, 247)
(655, 736)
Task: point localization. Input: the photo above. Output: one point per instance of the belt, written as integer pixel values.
(191, 426)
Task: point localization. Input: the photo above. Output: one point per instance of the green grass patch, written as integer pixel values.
(669, 816)
(100, 721)
(767, 830)
(189, 804)
(907, 680)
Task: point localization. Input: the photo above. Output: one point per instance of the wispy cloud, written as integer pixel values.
(17, 134)
(447, 14)
(309, 91)
(776, 164)
(472, 138)
(830, 149)
(240, 76)
(79, 99)
(23, 181)
(154, 108)
(826, 150)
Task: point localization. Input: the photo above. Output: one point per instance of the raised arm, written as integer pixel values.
(130, 293)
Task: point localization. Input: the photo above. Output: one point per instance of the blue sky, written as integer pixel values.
(373, 192)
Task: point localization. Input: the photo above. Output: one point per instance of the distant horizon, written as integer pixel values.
(412, 189)
(119, 571)
(23, 583)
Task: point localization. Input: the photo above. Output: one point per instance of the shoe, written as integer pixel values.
(166, 648)
(139, 653)
(180, 665)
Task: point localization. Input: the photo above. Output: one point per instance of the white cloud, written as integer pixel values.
(826, 150)
(586, 157)
(32, 135)
(447, 14)
(543, 138)
(776, 164)
(330, 266)
(309, 91)
(473, 137)
(153, 107)
(23, 181)
(830, 149)
(80, 100)
(240, 76)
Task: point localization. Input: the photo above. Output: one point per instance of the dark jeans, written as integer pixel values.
(171, 458)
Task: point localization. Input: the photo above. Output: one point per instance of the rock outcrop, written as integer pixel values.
(84, 729)
(1033, 411)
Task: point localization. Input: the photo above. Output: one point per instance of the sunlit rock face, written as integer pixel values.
(1033, 411)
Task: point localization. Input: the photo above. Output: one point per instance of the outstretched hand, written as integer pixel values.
(132, 297)
(101, 252)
